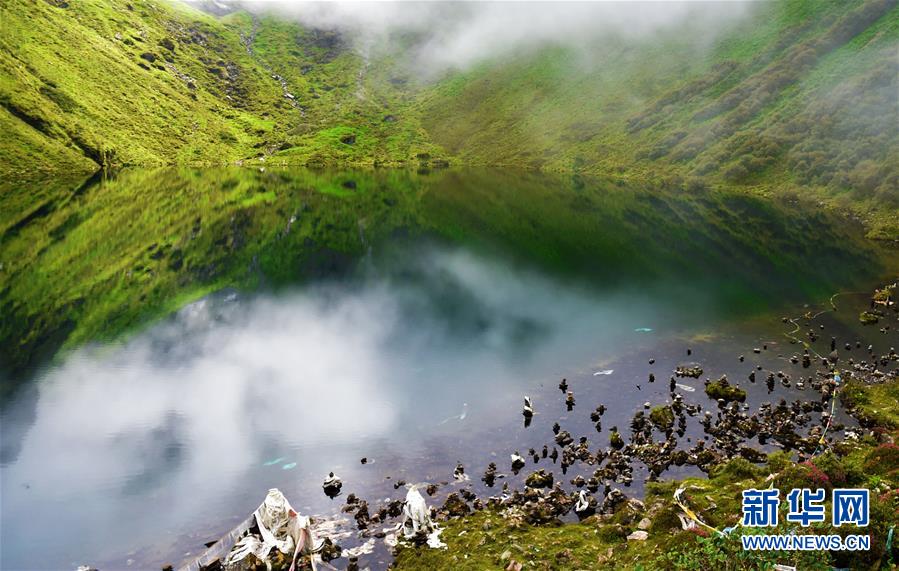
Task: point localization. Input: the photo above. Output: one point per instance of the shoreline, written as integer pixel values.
(534, 523)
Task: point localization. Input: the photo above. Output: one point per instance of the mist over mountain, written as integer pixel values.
(458, 35)
(784, 97)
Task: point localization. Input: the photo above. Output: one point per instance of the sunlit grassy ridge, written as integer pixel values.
(128, 83)
(797, 97)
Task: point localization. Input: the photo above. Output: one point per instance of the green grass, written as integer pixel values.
(875, 404)
(82, 75)
(790, 102)
(798, 98)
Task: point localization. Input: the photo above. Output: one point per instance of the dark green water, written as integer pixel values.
(86, 263)
(234, 317)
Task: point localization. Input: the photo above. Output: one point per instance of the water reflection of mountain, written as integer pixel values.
(122, 251)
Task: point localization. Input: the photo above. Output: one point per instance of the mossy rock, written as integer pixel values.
(539, 479)
(868, 317)
(721, 389)
(662, 417)
(666, 519)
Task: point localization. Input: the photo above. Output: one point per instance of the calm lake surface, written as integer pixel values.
(322, 317)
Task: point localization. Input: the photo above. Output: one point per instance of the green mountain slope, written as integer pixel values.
(801, 96)
(798, 97)
(123, 83)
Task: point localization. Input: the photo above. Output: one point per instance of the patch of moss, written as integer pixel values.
(873, 405)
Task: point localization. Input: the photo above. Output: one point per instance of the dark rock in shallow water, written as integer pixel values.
(517, 462)
(612, 500)
(753, 455)
(362, 518)
(329, 550)
(332, 486)
(563, 438)
(615, 440)
(490, 475)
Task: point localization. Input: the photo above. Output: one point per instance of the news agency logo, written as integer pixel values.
(849, 506)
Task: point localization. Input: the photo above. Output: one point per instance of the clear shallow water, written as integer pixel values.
(479, 288)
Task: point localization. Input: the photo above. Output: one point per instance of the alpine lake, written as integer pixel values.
(177, 341)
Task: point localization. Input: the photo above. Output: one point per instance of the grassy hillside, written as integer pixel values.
(128, 83)
(801, 96)
(798, 97)
(352, 111)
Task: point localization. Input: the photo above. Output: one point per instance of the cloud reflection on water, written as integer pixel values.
(142, 440)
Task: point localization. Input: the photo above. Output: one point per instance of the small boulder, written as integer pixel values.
(332, 485)
(638, 535)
